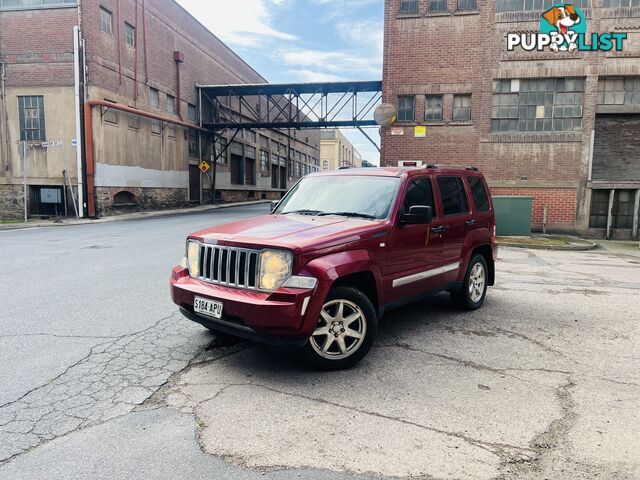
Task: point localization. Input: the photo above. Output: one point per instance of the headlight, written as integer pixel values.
(193, 258)
(275, 268)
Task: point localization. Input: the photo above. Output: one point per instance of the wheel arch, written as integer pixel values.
(487, 252)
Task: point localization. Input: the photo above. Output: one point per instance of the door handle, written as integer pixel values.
(438, 229)
(470, 222)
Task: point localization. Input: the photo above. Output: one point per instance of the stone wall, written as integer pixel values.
(143, 199)
(11, 202)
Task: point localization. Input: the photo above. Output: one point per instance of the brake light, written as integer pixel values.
(492, 230)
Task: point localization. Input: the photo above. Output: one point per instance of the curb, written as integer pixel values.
(584, 246)
(131, 216)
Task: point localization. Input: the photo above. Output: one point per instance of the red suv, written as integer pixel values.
(338, 251)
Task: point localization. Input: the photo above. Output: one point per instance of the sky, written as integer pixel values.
(303, 41)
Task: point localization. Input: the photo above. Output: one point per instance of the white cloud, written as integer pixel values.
(239, 22)
(348, 65)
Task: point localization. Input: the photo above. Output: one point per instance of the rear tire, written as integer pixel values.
(474, 287)
(345, 330)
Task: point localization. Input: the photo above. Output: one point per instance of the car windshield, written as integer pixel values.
(349, 195)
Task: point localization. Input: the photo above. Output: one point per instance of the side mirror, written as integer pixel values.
(274, 205)
(418, 215)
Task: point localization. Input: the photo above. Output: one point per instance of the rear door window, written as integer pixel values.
(454, 199)
(479, 194)
(419, 192)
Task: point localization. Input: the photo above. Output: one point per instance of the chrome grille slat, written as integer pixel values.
(229, 266)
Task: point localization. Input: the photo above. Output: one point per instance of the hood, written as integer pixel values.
(293, 231)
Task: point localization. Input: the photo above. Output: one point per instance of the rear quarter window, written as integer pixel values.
(479, 194)
(454, 199)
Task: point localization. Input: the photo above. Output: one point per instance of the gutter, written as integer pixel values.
(88, 132)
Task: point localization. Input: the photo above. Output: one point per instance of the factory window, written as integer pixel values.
(437, 5)
(408, 6)
(193, 143)
(466, 5)
(622, 209)
(264, 141)
(619, 91)
(462, 108)
(325, 164)
(31, 118)
(28, 4)
(221, 150)
(154, 97)
(433, 108)
(192, 112)
(264, 161)
(623, 206)
(109, 114)
(599, 209)
(250, 135)
(620, 3)
(405, 108)
(130, 34)
(171, 104)
(537, 105)
(106, 21)
(534, 5)
(134, 121)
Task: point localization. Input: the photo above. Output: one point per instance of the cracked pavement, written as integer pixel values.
(102, 378)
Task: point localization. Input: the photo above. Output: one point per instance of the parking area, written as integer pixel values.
(542, 382)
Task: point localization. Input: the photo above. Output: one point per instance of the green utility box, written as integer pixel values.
(513, 215)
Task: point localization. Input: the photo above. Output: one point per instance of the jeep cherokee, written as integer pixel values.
(336, 252)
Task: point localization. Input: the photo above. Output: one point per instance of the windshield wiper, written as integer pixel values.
(303, 212)
(348, 214)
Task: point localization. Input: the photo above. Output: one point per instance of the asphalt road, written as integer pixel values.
(102, 378)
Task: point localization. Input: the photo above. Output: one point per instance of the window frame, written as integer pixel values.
(438, 6)
(108, 12)
(404, 108)
(22, 118)
(428, 109)
(454, 108)
(468, 6)
(485, 191)
(41, 6)
(130, 35)
(409, 7)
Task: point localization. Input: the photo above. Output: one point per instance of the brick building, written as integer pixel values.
(562, 127)
(337, 151)
(147, 55)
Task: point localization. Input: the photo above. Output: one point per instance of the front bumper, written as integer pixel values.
(283, 316)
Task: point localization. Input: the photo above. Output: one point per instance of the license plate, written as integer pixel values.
(207, 307)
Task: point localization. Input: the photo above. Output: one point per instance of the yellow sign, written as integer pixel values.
(204, 167)
(420, 131)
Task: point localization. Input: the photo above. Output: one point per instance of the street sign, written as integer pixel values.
(52, 143)
(396, 131)
(74, 142)
(204, 167)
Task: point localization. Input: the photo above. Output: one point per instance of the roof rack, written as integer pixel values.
(466, 167)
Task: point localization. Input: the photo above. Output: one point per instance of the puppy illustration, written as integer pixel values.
(562, 17)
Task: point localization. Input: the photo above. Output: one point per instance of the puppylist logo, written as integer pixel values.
(563, 28)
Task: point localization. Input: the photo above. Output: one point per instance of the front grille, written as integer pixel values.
(229, 266)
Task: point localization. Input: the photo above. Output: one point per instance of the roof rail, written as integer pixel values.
(466, 167)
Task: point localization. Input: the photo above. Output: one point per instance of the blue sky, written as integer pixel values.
(302, 41)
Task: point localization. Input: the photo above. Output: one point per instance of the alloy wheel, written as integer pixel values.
(477, 281)
(340, 331)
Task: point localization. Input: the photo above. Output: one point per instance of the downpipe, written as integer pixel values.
(5, 119)
(78, 109)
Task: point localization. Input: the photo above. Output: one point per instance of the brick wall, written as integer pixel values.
(462, 53)
(560, 204)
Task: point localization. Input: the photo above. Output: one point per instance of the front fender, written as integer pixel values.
(327, 270)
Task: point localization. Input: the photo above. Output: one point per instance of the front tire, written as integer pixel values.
(474, 288)
(345, 330)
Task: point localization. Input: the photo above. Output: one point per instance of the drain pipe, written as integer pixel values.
(78, 103)
(5, 134)
(88, 144)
